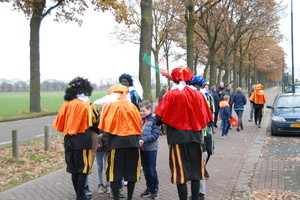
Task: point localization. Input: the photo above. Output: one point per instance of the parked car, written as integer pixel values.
(286, 114)
(289, 89)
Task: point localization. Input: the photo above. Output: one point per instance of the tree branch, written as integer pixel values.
(53, 7)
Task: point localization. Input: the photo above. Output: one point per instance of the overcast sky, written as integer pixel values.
(68, 50)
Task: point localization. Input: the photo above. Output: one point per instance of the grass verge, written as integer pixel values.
(33, 161)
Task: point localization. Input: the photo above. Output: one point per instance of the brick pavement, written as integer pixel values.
(225, 167)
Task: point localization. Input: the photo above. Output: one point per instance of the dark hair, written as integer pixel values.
(77, 86)
(128, 77)
(206, 84)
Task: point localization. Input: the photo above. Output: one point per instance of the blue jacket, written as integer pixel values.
(224, 110)
(238, 100)
(150, 134)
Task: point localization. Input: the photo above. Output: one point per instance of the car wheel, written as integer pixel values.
(273, 132)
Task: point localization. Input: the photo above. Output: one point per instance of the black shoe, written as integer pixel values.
(258, 126)
(206, 175)
(242, 128)
(238, 129)
(215, 126)
(84, 198)
(146, 193)
(201, 196)
(154, 194)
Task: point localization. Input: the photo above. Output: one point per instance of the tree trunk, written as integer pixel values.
(196, 63)
(205, 72)
(213, 67)
(157, 76)
(35, 96)
(241, 67)
(219, 76)
(189, 16)
(249, 78)
(145, 47)
(226, 58)
(234, 68)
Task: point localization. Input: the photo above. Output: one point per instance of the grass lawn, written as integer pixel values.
(15, 105)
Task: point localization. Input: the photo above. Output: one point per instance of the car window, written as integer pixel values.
(288, 101)
(289, 90)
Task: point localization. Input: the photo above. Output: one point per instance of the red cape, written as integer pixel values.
(184, 110)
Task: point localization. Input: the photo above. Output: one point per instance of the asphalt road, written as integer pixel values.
(27, 129)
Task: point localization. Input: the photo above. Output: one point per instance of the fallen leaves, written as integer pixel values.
(273, 194)
(33, 161)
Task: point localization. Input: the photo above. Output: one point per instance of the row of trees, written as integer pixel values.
(233, 41)
(223, 40)
(18, 85)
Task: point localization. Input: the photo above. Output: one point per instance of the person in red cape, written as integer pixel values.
(77, 119)
(258, 98)
(186, 113)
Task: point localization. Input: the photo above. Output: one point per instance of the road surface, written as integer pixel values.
(28, 129)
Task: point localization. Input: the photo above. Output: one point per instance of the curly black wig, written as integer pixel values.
(77, 86)
(128, 77)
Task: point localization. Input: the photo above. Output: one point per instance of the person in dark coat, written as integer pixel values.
(220, 89)
(237, 102)
(216, 98)
(163, 91)
(225, 115)
(228, 91)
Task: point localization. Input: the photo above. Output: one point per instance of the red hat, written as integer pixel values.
(182, 74)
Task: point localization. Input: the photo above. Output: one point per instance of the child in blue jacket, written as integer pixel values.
(225, 115)
(149, 145)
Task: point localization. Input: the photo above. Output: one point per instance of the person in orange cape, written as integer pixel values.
(186, 113)
(258, 98)
(122, 121)
(77, 119)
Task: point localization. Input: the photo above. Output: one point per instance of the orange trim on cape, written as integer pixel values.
(258, 97)
(73, 117)
(121, 118)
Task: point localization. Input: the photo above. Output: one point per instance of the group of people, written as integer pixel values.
(122, 132)
(226, 100)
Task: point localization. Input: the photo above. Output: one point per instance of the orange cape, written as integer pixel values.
(121, 118)
(184, 110)
(258, 97)
(74, 117)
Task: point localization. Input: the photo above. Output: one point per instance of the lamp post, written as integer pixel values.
(282, 77)
(292, 41)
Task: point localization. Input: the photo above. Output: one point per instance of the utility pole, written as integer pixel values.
(292, 41)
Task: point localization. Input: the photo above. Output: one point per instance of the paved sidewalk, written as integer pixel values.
(228, 168)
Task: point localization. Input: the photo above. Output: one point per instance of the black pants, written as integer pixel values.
(78, 180)
(258, 114)
(215, 118)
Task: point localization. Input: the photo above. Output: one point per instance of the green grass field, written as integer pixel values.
(15, 105)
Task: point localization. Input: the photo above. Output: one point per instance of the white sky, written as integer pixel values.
(68, 51)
